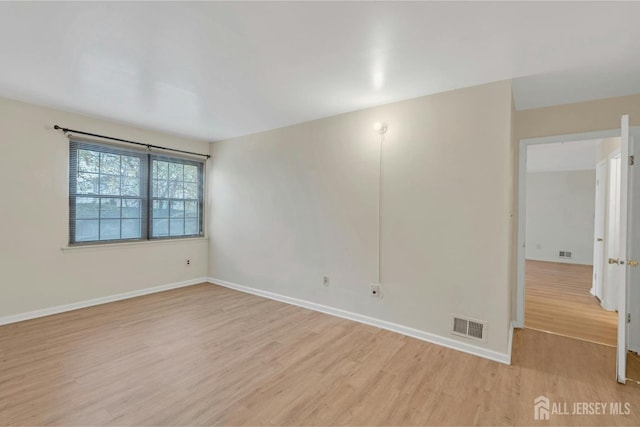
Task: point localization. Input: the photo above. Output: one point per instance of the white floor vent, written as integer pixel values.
(469, 328)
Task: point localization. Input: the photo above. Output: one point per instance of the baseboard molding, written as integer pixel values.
(559, 260)
(513, 326)
(97, 301)
(382, 324)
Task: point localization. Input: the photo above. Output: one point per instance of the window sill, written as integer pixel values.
(133, 244)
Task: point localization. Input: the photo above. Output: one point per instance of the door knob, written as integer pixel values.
(614, 261)
(632, 263)
(600, 239)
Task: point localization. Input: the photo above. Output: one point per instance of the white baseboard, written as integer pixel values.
(382, 324)
(97, 301)
(559, 260)
(513, 325)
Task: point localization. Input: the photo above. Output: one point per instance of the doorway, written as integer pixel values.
(627, 261)
(565, 184)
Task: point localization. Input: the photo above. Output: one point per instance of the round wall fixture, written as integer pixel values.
(380, 127)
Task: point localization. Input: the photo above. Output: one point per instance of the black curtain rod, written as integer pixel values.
(149, 146)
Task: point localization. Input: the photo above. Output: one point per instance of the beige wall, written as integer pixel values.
(560, 215)
(294, 204)
(34, 272)
(603, 114)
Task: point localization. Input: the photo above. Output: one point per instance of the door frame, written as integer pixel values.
(522, 197)
(600, 221)
(621, 349)
(633, 293)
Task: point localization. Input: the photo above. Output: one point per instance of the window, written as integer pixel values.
(116, 194)
(176, 197)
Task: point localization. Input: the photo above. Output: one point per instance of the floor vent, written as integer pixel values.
(469, 328)
(564, 254)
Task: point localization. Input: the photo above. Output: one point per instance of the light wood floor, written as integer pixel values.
(207, 355)
(557, 300)
(633, 366)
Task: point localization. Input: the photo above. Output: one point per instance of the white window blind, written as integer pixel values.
(118, 194)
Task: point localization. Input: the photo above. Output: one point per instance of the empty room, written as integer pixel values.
(319, 213)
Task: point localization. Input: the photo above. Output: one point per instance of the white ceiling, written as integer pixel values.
(218, 70)
(562, 156)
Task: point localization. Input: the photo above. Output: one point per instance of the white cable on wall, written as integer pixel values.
(380, 210)
(381, 128)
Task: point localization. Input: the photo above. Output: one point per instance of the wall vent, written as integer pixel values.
(469, 328)
(564, 254)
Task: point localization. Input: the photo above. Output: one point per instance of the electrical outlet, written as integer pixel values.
(188, 262)
(325, 280)
(375, 290)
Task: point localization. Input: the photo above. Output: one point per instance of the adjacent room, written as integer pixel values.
(568, 192)
(319, 213)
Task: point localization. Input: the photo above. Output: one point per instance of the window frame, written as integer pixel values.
(200, 195)
(145, 185)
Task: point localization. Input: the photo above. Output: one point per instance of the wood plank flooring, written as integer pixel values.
(206, 355)
(633, 366)
(557, 300)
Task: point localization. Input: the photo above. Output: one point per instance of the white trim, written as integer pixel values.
(522, 196)
(622, 252)
(522, 229)
(97, 301)
(120, 245)
(572, 137)
(512, 326)
(383, 324)
(600, 214)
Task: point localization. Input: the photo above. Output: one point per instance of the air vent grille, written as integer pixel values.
(469, 328)
(476, 330)
(564, 254)
(460, 325)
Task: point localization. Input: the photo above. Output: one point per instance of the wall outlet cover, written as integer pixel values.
(376, 290)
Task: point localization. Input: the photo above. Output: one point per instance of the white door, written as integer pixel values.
(613, 272)
(598, 233)
(633, 247)
(627, 221)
